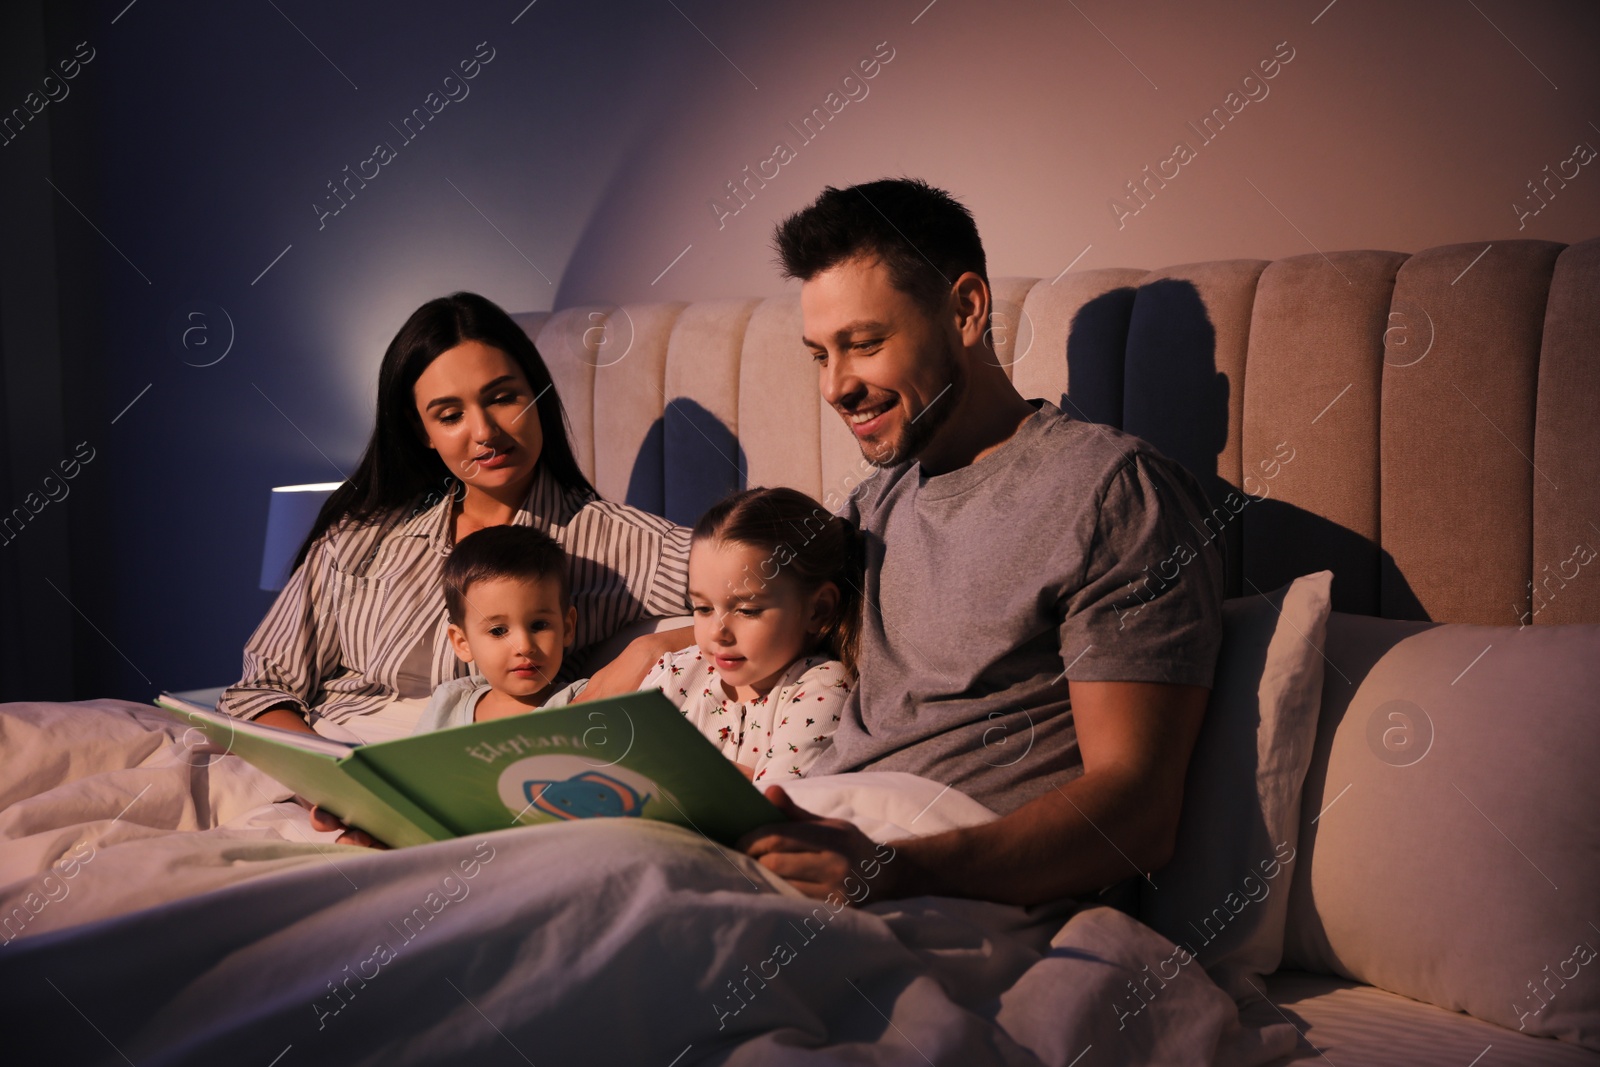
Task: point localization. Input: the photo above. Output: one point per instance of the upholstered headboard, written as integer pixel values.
(1428, 426)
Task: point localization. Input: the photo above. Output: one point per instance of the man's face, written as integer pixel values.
(891, 371)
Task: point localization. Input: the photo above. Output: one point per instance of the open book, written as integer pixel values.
(630, 756)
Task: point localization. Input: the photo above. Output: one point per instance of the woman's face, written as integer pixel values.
(477, 412)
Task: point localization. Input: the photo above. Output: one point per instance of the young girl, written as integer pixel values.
(775, 584)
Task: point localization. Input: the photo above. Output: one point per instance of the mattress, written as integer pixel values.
(1349, 1025)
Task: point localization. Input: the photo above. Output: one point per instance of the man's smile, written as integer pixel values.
(864, 420)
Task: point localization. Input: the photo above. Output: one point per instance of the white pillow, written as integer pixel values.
(888, 805)
(1225, 894)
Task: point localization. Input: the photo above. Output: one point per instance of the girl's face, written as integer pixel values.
(750, 619)
(477, 412)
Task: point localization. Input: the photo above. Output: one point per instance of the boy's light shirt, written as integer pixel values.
(455, 701)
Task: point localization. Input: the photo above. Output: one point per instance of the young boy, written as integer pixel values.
(511, 617)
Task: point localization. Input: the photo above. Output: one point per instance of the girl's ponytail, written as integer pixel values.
(843, 634)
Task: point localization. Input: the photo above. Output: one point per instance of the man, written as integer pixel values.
(1037, 633)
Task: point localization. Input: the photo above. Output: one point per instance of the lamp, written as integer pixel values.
(291, 513)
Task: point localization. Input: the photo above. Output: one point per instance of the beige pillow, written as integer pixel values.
(1224, 895)
(1455, 859)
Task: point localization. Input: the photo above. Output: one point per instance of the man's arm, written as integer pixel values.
(1120, 817)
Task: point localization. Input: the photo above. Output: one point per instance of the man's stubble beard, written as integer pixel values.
(922, 428)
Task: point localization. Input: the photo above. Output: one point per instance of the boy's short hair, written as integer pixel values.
(520, 553)
(924, 236)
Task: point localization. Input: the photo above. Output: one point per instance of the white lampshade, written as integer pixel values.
(291, 513)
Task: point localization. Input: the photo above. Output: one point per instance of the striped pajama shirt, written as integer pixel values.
(368, 602)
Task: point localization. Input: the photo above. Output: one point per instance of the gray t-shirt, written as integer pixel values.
(1072, 551)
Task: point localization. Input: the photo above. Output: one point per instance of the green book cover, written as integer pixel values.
(633, 756)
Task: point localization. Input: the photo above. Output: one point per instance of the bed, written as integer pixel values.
(1387, 854)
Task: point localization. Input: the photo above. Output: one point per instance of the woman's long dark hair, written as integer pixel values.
(398, 470)
(804, 542)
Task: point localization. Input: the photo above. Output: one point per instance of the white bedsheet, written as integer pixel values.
(171, 912)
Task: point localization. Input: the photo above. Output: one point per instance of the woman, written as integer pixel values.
(469, 433)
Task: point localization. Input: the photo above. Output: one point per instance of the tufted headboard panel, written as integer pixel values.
(1427, 426)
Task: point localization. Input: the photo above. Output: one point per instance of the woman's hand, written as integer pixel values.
(327, 822)
(285, 717)
(623, 674)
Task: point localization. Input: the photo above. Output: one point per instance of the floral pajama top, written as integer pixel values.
(781, 734)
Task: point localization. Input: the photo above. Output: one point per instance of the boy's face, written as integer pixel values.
(515, 633)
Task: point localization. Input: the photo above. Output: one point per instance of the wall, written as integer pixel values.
(219, 328)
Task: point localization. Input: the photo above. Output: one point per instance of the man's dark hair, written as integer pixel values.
(923, 235)
(520, 553)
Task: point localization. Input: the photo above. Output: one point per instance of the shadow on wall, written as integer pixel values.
(1182, 409)
(1096, 343)
(689, 460)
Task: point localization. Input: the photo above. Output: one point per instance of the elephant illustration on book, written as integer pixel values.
(589, 795)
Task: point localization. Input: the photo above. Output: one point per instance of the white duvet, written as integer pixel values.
(159, 906)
